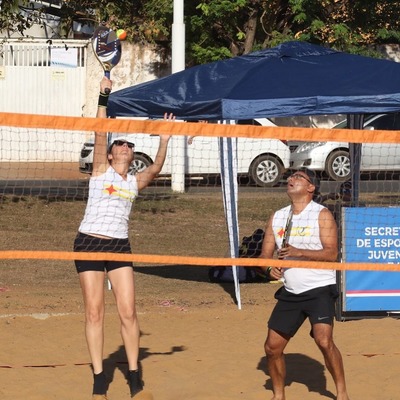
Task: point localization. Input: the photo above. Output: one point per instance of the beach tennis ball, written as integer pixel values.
(121, 34)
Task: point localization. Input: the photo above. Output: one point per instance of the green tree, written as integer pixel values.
(144, 21)
(11, 18)
(349, 25)
(217, 29)
(221, 28)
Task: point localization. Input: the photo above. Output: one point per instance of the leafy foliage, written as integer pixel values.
(11, 18)
(346, 24)
(217, 29)
(144, 21)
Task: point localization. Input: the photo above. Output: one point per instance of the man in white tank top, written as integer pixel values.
(305, 230)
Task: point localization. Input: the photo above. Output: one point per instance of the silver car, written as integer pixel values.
(333, 158)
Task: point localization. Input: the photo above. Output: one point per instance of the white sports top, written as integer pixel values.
(109, 204)
(303, 235)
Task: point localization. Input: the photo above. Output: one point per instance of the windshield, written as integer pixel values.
(367, 119)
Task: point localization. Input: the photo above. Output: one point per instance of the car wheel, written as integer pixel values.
(139, 163)
(338, 165)
(266, 171)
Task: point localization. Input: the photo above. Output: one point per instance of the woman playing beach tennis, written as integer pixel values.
(104, 228)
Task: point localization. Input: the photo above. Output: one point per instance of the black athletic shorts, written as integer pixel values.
(291, 310)
(92, 244)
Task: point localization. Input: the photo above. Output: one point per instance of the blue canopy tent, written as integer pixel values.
(292, 79)
(295, 78)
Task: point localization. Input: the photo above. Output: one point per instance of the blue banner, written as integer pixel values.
(371, 235)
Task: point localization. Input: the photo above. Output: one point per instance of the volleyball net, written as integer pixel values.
(45, 168)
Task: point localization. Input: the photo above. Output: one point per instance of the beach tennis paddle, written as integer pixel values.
(107, 49)
(286, 232)
(288, 228)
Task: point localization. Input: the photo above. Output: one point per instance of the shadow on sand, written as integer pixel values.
(187, 273)
(118, 360)
(304, 370)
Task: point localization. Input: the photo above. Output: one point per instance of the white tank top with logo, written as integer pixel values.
(109, 204)
(304, 234)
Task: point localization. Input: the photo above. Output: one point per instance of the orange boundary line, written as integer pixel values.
(194, 261)
(195, 129)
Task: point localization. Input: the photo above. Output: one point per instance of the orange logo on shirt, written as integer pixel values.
(296, 231)
(110, 189)
(117, 191)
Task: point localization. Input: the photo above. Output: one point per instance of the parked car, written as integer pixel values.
(333, 158)
(263, 160)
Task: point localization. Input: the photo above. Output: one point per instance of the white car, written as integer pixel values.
(333, 158)
(263, 160)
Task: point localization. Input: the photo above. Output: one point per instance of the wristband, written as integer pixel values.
(103, 100)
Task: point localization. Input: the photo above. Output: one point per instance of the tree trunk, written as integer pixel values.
(250, 32)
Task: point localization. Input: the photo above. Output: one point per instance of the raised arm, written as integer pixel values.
(145, 177)
(100, 158)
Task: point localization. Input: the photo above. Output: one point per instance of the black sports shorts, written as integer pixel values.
(291, 310)
(92, 244)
